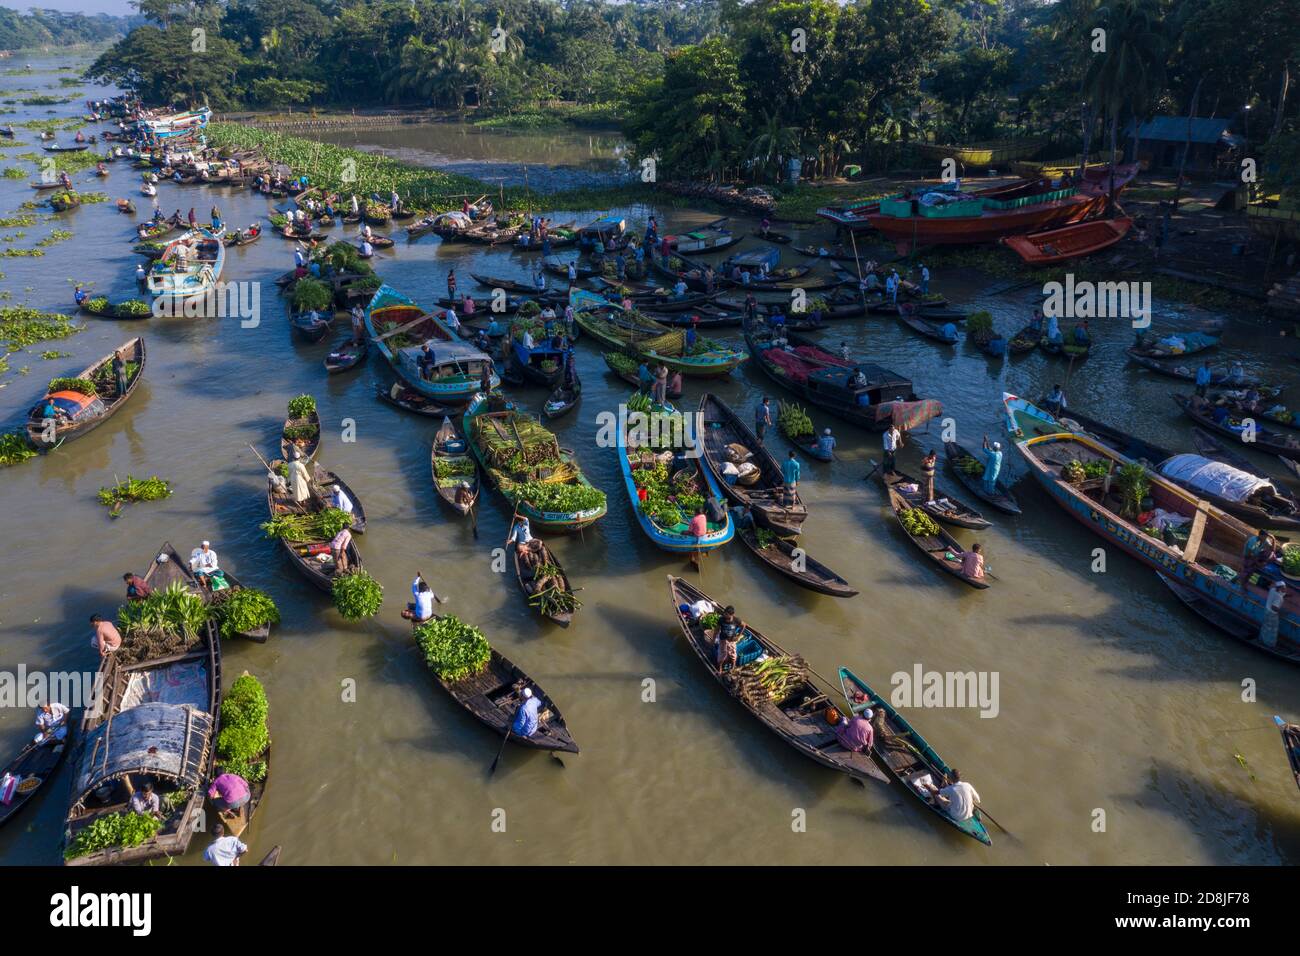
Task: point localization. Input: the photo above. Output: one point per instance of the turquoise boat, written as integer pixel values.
(400, 329)
(509, 419)
(674, 538)
(914, 759)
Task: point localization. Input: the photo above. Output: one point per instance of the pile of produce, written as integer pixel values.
(1134, 485)
(113, 831)
(710, 621)
(623, 364)
(765, 537)
(549, 595)
(979, 327)
(668, 503)
(298, 529)
(15, 447)
(1291, 560)
(243, 610)
(83, 386)
(357, 595)
(244, 739)
(65, 199)
(970, 465)
(918, 524)
(170, 620)
(312, 295)
(133, 307)
(1076, 471)
(301, 406)
(454, 471)
(555, 497)
(639, 401)
(516, 444)
(133, 489)
(453, 649)
(794, 422)
(771, 679)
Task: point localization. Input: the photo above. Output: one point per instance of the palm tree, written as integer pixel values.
(1131, 70)
(773, 142)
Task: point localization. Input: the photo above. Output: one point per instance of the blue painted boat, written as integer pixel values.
(400, 329)
(675, 538)
(912, 758)
(1215, 540)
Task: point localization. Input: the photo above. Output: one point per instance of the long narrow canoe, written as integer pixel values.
(906, 754)
(766, 494)
(1069, 242)
(1291, 741)
(785, 558)
(942, 509)
(33, 767)
(798, 718)
(451, 454)
(305, 555)
(1002, 498)
(84, 413)
(936, 547)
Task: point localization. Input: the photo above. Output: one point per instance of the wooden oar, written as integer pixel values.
(984, 812)
(493, 769)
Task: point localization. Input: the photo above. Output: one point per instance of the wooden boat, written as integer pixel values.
(510, 285)
(310, 326)
(451, 452)
(813, 252)
(1218, 376)
(1266, 506)
(558, 265)
(987, 215)
(1002, 499)
(1274, 443)
(1291, 743)
(784, 558)
(612, 359)
(411, 401)
(44, 185)
(708, 359)
(830, 381)
(126, 206)
(347, 356)
(1213, 614)
(272, 858)
(307, 446)
(798, 718)
(1069, 242)
(307, 556)
(378, 241)
(85, 413)
(541, 365)
(528, 583)
(205, 257)
(241, 237)
(495, 694)
(74, 148)
(1026, 340)
(237, 821)
(1207, 446)
(34, 766)
(324, 480)
(1065, 348)
(942, 509)
(765, 491)
(1214, 539)
(780, 238)
(929, 328)
(564, 399)
(399, 328)
(171, 741)
(638, 447)
(941, 549)
(500, 423)
(907, 755)
(1203, 343)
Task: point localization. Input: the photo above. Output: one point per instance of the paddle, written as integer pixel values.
(985, 812)
(473, 522)
(493, 769)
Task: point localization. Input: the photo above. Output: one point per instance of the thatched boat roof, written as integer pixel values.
(165, 740)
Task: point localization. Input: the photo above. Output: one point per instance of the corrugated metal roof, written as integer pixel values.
(1174, 129)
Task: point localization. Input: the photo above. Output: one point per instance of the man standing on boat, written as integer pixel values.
(1272, 608)
(890, 441)
(1203, 378)
(763, 418)
(992, 466)
(929, 462)
(298, 480)
(790, 475)
(119, 373)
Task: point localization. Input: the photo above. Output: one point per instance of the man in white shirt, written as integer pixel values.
(203, 561)
(224, 850)
(453, 322)
(528, 340)
(958, 799)
(52, 721)
(891, 440)
(573, 273)
(340, 500)
(145, 800)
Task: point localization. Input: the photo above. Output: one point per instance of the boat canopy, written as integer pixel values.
(163, 740)
(1213, 477)
(754, 259)
(447, 352)
(605, 225)
(77, 406)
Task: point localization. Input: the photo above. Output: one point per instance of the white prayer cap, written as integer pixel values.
(207, 544)
(826, 431)
(528, 692)
(997, 446)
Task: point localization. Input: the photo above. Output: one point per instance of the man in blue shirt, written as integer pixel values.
(526, 717)
(826, 444)
(762, 418)
(790, 475)
(992, 466)
(1203, 379)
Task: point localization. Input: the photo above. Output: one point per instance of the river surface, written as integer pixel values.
(548, 159)
(1115, 705)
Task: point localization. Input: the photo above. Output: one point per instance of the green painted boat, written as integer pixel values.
(652, 342)
(505, 420)
(913, 758)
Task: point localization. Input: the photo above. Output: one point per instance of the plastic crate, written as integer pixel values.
(748, 650)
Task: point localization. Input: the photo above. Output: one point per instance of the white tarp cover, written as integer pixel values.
(1213, 476)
